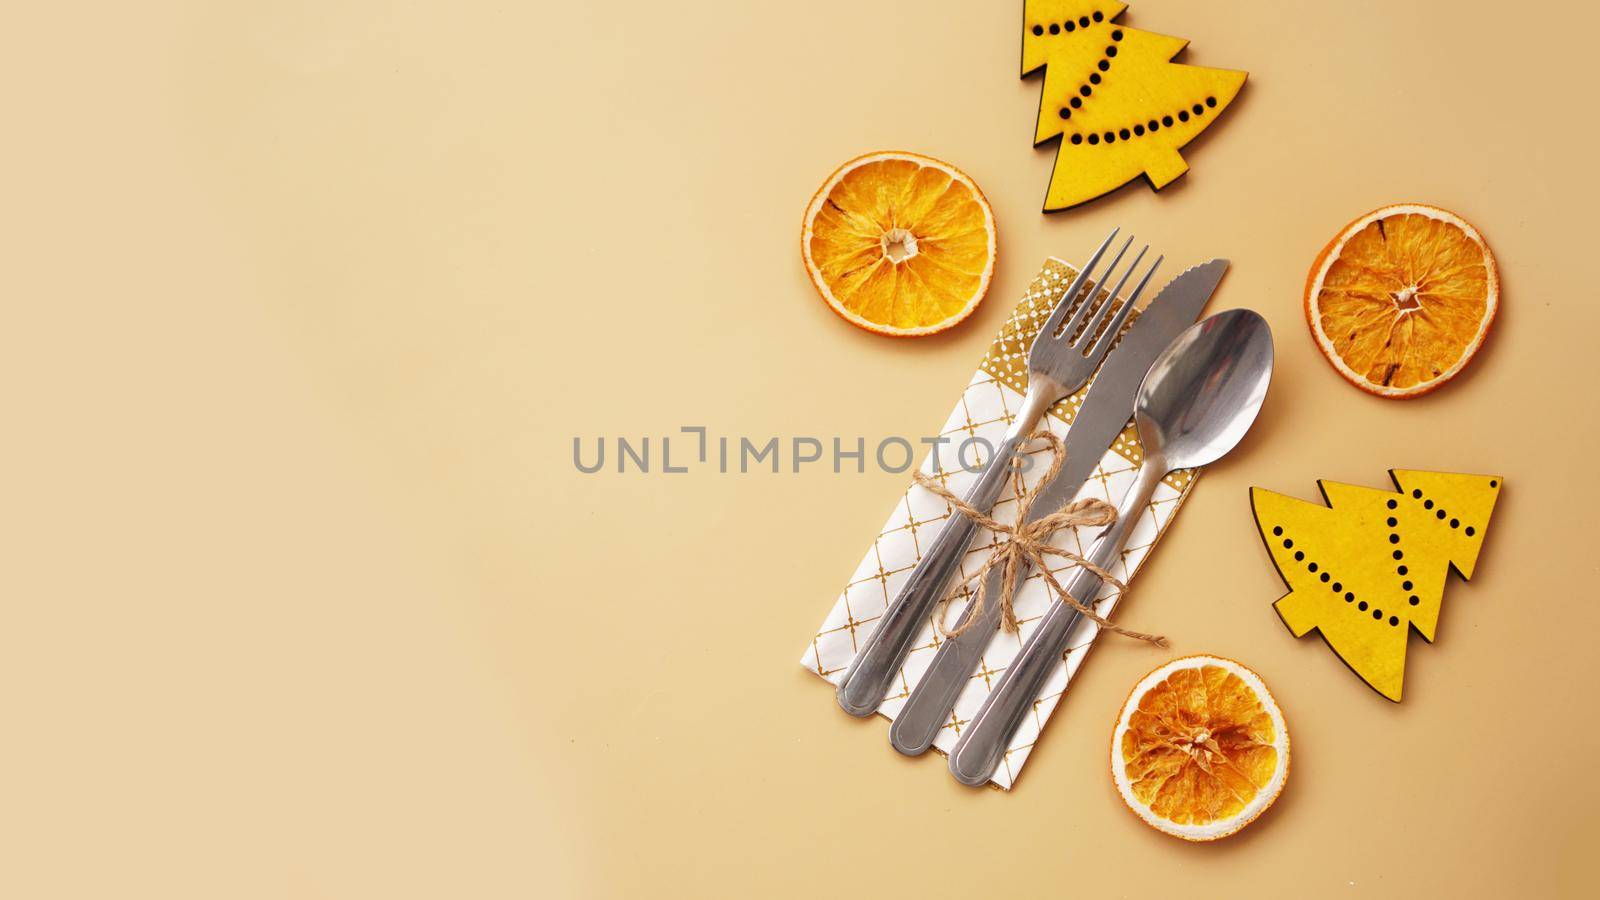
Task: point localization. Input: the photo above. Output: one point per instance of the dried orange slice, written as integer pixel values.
(899, 244)
(1201, 748)
(1402, 299)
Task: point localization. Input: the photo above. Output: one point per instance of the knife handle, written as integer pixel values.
(867, 680)
(930, 703)
(982, 746)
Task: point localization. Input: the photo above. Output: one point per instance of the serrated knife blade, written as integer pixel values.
(1108, 405)
(1106, 409)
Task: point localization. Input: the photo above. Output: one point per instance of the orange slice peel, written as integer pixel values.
(899, 243)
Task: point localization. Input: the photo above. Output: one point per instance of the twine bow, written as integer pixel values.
(1027, 541)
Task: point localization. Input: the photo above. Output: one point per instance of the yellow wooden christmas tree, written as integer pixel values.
(1371, 565)
(1120, 107)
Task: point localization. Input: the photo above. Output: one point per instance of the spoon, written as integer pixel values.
(1197, 401)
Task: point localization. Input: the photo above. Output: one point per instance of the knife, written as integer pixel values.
(1106, 410)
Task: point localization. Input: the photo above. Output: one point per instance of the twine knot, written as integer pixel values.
(1025, 541)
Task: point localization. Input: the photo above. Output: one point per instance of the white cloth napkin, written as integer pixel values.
(985, 409)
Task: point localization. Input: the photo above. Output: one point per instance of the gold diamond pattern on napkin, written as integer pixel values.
(985, 409)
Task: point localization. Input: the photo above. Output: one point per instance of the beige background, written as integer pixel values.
(305, 301)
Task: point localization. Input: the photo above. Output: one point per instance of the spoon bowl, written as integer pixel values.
(1203, 392)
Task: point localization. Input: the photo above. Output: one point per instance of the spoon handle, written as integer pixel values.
(982, 746)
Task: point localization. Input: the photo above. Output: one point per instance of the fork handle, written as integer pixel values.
(880, 657)
(981, 747)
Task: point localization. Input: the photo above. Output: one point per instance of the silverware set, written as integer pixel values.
(1193, 391)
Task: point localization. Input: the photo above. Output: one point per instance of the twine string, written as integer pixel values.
(1029, 542)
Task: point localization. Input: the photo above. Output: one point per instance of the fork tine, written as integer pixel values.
(1064, 304)
(1086, 337)
(1071, 328)
(1104, 344)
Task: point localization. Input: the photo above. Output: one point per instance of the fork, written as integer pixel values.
(1064, 355)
